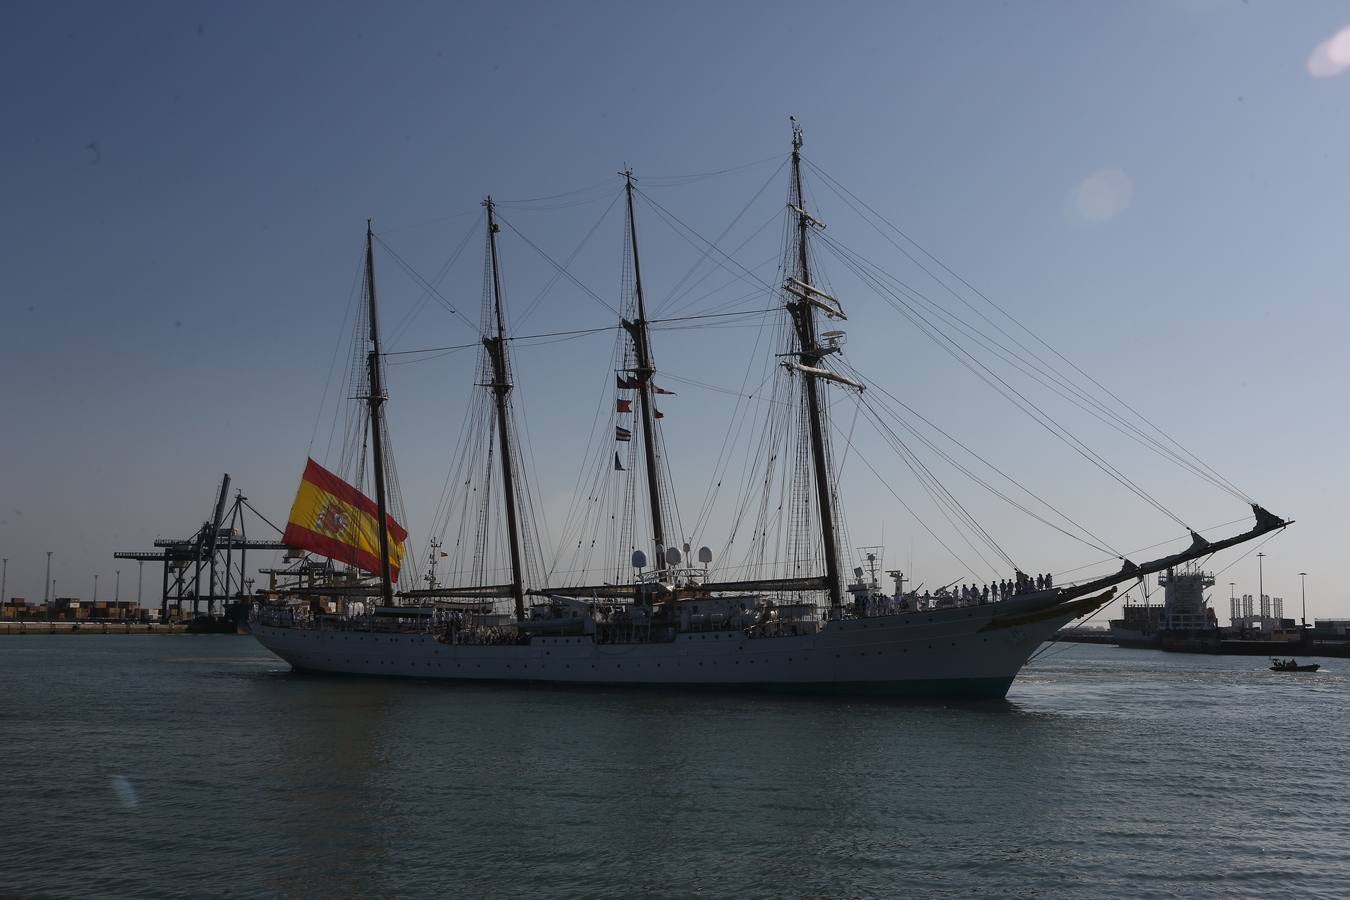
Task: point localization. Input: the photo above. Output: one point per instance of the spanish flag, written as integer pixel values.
(332, 518)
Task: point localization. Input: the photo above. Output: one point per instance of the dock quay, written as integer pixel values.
(37, 627)
(1081, 635)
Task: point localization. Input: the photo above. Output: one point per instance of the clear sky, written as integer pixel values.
(1160, 189)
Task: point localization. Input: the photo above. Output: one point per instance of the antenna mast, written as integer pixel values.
(376, 403)
(501, 386)
(637, 329)
(804, 318)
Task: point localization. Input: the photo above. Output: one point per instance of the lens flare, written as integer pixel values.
(1332, 56)
(1101, 197)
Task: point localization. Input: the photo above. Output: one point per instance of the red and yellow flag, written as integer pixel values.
(332, 518)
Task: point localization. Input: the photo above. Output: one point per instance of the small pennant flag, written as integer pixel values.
(662, 391)
(622, 434)
(627, 384)
(618, 466)
(625, 406)
(660, 415)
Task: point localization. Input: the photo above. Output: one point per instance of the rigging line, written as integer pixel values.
(675, 302)
(1057, 383)
(575, 333)
(941, 496)
(729, 325)
(936, 489)
(848, 444)
(774, 260)
(743, 312)
(530, 477)
(599, 184)
(431, 349)
(776, 416)
(426, 284)
(407, 319)
(534, 304)
(557, 340)
(571, 204)
(261, 516)
(1248, 553)
(568, 275)
(574, 513)
(734, 427)
(435, 221)
(332, 366)
(670, 216)
(519, 337)
(969, 569)
(856, 262)
(1041, 417)
(1101, 545)
(993, 490)
(713, 387)
(356, 344)
(725, 231)
(578, 332)
(836, 185)
(433, 356)
(1129, 553)
(680, 180)
(1069, 645)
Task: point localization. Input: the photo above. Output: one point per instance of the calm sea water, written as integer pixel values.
(199, 766)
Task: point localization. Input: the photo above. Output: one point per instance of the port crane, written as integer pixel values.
(209, 555)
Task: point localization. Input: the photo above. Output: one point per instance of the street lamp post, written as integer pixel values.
(117, 585)
(48, 583)
(1303, 586)
(1260, 581)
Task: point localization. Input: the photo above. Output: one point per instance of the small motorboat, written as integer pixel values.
(1291, 665)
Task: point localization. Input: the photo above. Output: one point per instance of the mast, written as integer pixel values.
(501, 386)
(376, 403)
(637, 329)
(803, 317)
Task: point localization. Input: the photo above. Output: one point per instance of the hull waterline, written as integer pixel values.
(971, 652)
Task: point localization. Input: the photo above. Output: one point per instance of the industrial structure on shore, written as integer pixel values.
(205, 577)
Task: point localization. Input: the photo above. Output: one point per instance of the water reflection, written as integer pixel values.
(1105, 773)
(320, 794)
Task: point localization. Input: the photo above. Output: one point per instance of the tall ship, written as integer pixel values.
(792, 618)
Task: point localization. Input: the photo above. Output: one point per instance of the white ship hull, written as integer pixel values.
(963, 652)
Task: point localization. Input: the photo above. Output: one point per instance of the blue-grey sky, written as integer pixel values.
(1159, 189)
